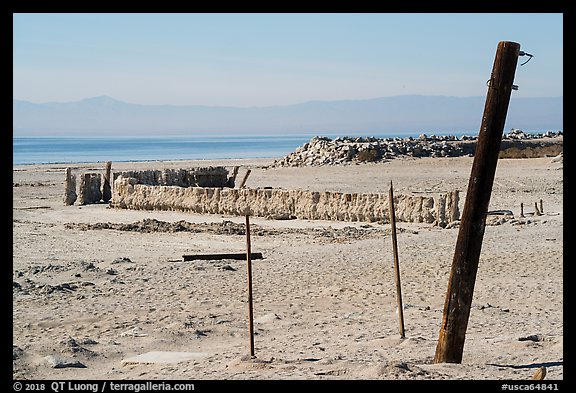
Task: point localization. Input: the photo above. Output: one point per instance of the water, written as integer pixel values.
(57, 150)
(50, 150)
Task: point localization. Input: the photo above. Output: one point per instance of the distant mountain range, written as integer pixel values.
(103, 116)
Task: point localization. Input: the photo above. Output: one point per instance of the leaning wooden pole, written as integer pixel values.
(245, 178)
(249, 270)
(469, 243)
(396, 264)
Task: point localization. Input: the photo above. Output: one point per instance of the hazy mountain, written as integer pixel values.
(397, 114)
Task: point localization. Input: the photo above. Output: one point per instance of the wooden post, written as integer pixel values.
(215, 257)
(396, 265)
(469, 243)
(249, 270)
(245, 178)
(541, 207)
(540, 374)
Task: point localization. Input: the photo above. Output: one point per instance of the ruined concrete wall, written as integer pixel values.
(90, 188)
(283, 204)
(194, 177)
(95, 187)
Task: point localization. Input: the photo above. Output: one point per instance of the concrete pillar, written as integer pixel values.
(441, 210)
(452, 208)
(106, 188)
(70, 188)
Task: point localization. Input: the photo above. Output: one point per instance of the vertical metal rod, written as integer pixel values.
(396, 264)
(249, 270)
(469, 243)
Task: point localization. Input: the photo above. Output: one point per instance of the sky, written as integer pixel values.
(267, 59)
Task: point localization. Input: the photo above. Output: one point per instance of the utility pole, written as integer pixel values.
(467, 253)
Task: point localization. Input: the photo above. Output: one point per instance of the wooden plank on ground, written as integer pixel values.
(213, 257)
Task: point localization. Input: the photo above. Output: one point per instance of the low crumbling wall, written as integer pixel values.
(285, 204)
(95, 188)
(194, 177)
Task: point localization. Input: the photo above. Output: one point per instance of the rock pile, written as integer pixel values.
(521, 135)
(346, 150)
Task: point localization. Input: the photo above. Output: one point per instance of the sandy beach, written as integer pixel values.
(324, 292)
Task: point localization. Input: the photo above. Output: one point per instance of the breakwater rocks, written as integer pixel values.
(285, 204)
(346, 150)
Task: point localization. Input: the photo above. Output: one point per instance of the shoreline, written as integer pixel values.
(150, 164)
(457, 146)
(141, 162)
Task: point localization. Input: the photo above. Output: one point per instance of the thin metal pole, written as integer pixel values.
(469, 243)
(249, 270)
(396, 264)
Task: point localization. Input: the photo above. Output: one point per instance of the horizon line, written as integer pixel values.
(104, 96)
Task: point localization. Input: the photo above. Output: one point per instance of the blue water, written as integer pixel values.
(51, 150)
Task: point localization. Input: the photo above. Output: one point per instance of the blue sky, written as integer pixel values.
(276, 59)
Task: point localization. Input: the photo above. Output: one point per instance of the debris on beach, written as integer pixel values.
(227, 227)
(58, 362)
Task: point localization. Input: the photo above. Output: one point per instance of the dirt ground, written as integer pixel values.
(94, 293)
